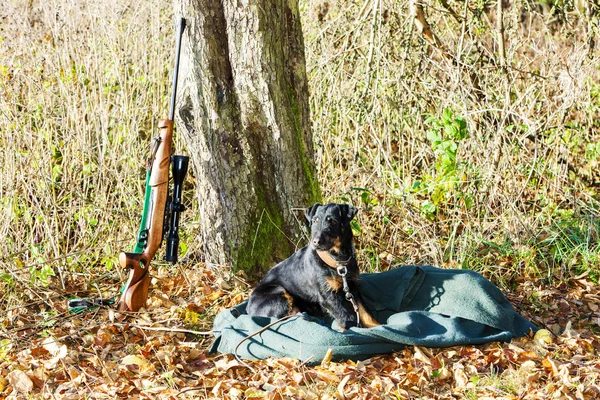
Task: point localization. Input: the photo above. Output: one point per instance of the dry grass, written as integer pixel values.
(83, 84)
(522, 195)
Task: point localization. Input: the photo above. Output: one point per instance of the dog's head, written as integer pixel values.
(330, 226)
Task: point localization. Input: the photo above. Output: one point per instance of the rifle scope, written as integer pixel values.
(179, 167)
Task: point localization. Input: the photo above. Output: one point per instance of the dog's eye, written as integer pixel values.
(331, 221)
(315, 220)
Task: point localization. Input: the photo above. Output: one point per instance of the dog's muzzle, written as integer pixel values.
(326, 243)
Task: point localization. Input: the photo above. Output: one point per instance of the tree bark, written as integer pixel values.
(244, 117)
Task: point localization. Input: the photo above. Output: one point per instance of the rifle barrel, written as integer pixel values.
(176, 68)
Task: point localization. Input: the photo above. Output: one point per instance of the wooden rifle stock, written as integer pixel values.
(135, 292)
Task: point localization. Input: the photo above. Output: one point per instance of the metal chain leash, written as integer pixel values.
(342, 271)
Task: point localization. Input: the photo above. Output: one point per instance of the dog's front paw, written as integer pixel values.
(348, 323)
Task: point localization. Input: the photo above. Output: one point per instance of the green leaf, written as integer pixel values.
(109, 263)
(183, 248)
(56, 154)
(355, 227)
(365, 197)
(432, 120)
(449, 146)
(428, 207)
(56, 173)
(447, 117)
(462, 124)
(451, 131)
(468, 199)
(434, 136)
(416, 186)
(438, 196)
(46, 272)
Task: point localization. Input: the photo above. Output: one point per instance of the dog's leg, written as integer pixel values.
(270, 301)
(340, 309)
(366, 319)
(343, 311)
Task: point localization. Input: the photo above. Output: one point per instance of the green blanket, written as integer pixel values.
(424, 306)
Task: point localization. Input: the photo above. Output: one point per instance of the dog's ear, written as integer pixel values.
(349, 212)
(309, 213)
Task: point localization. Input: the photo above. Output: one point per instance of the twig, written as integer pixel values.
(502, 51)
(416, 11)
(193, 389)
(257, 333)
(25, 268)
(164, 329)
(451, 11)
(371, 45)
(501, 42)
(306, 361)
(236, 349)
(26, 286)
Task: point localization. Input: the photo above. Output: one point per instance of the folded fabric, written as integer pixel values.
(424, 306)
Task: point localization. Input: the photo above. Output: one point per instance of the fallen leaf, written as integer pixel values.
(326, 375)
(73, 373)
(549, 366)
(340, 387)
(544, 336)
(3, 383)
(20, 381)
(528, 366)
(38, 352)
(460, 378)
(214, 295)
(223, 284)
(595, 389)
(52, 345)
(251, 393)
(297, 378)
(327, 358)
(442, 374)
(526, 356)
(226, 365)
(376, 383)
(420, 356)
(134, 360)
(568, 332)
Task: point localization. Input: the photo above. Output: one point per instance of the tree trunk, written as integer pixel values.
(244, 117)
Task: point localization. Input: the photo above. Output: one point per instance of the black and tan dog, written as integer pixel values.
(309, 281)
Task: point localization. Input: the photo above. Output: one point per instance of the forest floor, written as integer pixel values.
(456, 155)
(96, 355)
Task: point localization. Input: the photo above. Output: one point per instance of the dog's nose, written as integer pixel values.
(316, 242)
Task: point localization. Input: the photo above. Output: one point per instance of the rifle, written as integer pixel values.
(157, 206)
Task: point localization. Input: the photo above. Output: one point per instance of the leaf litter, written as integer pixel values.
(161, 353)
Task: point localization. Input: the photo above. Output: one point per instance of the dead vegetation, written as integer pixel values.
(465, 142)
(460, 137)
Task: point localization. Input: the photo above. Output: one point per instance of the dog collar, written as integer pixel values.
(332, 262)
